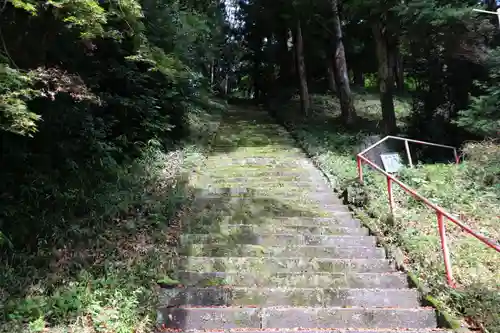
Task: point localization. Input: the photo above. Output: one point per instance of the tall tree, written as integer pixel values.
(330, 68)
(341, 74)
(301, 69)
(386, 66)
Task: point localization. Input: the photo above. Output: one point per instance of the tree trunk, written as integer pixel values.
(398, 67)
(284, 55)
(331, 74)
(301, 66)
(385, 77)
(212, 73)
(491, 6)
(226, 84)
(256, 82)
(358, 78)
(284, 87)
(341, 76)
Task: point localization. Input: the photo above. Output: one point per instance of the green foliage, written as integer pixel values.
(15, 91)
(98, 270)
(482, 116)
(103, 106)
(87, 16)
(29, 6)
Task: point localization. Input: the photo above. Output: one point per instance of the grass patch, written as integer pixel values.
(105, 276)
(470, 190)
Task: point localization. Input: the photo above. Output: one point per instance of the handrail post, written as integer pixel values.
(407, 146)
(444, 248)
(360, 169)
(457, 158)
(390, 194)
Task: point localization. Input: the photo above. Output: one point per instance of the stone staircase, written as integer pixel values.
(269, 247)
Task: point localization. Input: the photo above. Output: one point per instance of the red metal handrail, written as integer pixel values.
(440, 212)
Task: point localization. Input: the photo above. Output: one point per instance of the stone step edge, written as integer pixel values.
(300, 240)
(284, 234)
(268, 230)
(224, 287)
(296, 246)
(303, 226)
(289, 258)
(253, 307)
(303, 330)
(189, 275)
(414, 318)
(400, 273)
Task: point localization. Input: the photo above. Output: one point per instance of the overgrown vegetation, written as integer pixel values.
(101, 271)
(104, 109)
(469, 190)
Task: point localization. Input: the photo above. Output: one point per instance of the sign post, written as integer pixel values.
(392, 162)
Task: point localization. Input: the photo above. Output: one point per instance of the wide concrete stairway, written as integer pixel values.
(269, 247)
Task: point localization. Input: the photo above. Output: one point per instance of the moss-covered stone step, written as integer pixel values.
(270, 181)
(230, 165)
(282, 194)
(252, 138)
(270, 203)
(340, 220)
(286, 189)
(260, 141)
(254, 195)
(217, 220)
(270, 150)
(257, 165)
(349, 318)
(266, 265)
(192, 318)
(249, 209)
(254, 214)
(247, 296)
(277, 172)
(275, 228)
(248, 194)
(267, 179)
(232, 250)
(395, 280)
(275, 203)
(237, 191)
(240, 237)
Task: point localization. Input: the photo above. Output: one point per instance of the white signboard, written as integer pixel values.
(391, 162)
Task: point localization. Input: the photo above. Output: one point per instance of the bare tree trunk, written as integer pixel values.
(301, 66)
(285, 57)
(226, 84)
(385, 77)
(492, 6)
(358, 78)
(212, 72)
(331, 74)
(341, 75)
(398, 67)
